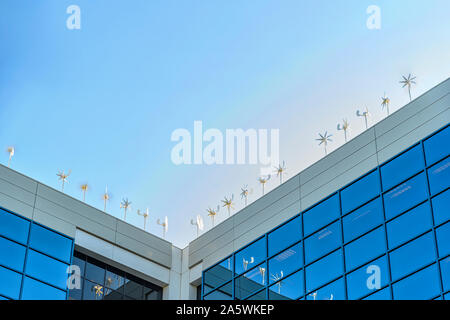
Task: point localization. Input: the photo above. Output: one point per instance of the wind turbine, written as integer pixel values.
(228, 203)
(10, 150)
(385, 103)
(324, 139)
(145, 215)
(262, 271)
(125, 204)
(245, 192)
(212, 213)
(84, 187)
(408, 82)
(364, 114)
(263, 180)
(165, 225)
(106, 196)
(280, 170)
(276, 277)
(345, 126)
(198, 223)
(63, 177)
(245, 263)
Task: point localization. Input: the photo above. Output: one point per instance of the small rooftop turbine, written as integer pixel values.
(10, 150)
(263, 180)
(324, 139)
(145, 215)
(125, 204)
(364, 114)
(229, 204)
(408, 82)
(385, 103)
(198, 223)
(212, 213)
(280, 170)
(245, 263)
(106, 196)
(245, 192)
(165, 225)
(276, 277)
(63, 177)
(84, 187)
(345, 126)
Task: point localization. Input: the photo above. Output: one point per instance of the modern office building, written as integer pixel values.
(368, 221)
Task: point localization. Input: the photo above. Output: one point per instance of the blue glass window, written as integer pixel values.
(321, 215)
(440, 204)
(360, 192)
(365, 248)
(409, 225)
(284, 236)
(14, 227)
(250, 256)
(402, 167)
(12, 255)
(445, 271)
(443, 239)
(383, 294)
(323, 241)
(286, 262)
(258, 296)
(10, 283)
(92, 291)
(47, 269)
(362, 220)
(36, 290)
(290, 288)
(367, 279)
(422, 285)
(439, 176)
(222, 293)
(437, 146)
(218, 275)
(405, 196)
(412, 256)
(332, 291)
(95, 271)
(51, 243)
(324, 270)
(251, 281)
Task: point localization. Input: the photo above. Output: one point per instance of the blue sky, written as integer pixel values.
(104, 100)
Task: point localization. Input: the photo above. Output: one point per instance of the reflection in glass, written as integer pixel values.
(286, 262)
(12, 255)
(51, 243)
(443, 239)
(405, 196)
(222, 293)
(383, 294)
(95, 271)
(92, 291)
(289, 288)
(322, 242)
(36, 290)
(332, 291)
(10, 282)
(218, 274)
(363, 219)
(46, 269)
(285, 235)
(324, 270)
(258, 296)
(321, 214)
(251, 281)
(440, 204)
(445, 271)
(250, 256)
(14, 227)
(365, 248)
(437, 146)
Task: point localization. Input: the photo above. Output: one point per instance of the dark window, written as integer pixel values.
(439, 176)
(405, 196)
(409, 225)
(360, 192)
(363, 219)
(258, 296)
(437, 146)
(223, 293)
(250, 256)
(321, 215)
(422, 285)
(412, 256)
(285, 235)
(402, 167)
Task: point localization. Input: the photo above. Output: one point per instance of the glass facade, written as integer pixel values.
(34, 260)
(384, 236)
(100, 281)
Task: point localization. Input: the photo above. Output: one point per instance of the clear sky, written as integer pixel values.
(104, 100)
